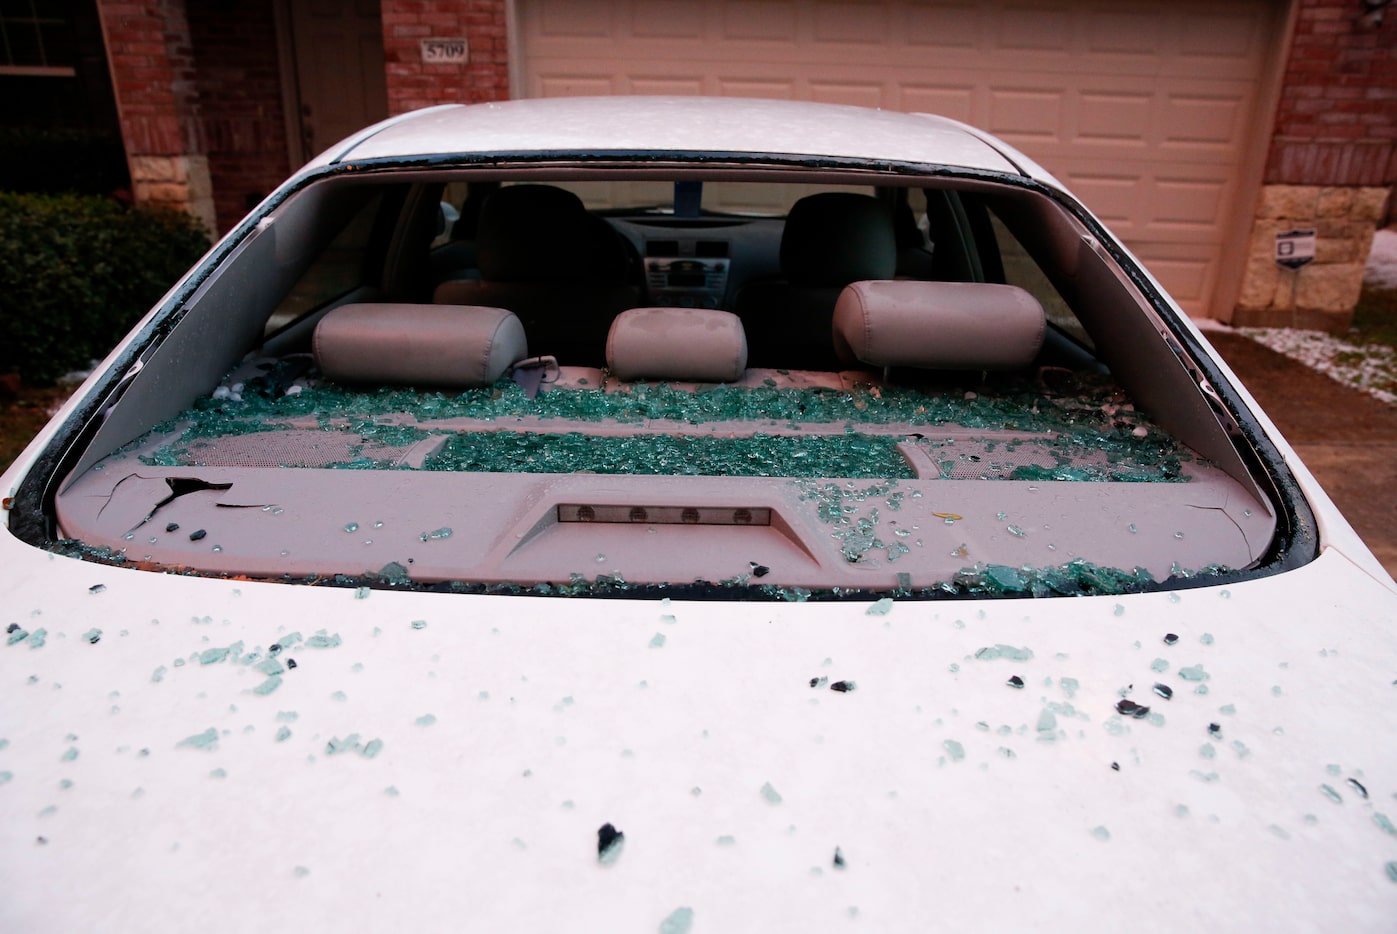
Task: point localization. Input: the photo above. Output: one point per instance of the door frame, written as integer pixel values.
(290, 85)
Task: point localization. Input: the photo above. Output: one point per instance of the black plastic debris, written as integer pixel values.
(1115, 766)
(274, 648)
(197, 535)
(97, 588)
(1215, 729)
(818, 682)
(759, 570)
(1170, 638)
(93, 636)
(1358, 787)
(1129, 708)
(1015, 681)
(12, 627)
(172, 527)
(1164, 691)
(290, 663)
(838, 858)
(609, 841)
(183, 486)
(843, 687)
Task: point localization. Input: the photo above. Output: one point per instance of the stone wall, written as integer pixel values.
(1320, 295)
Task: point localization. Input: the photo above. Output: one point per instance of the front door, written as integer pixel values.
(339, 70)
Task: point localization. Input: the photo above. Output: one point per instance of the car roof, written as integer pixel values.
(682, 124)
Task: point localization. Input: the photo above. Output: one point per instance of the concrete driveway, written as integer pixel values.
(1346, 438)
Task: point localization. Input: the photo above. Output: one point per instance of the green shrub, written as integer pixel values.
(77, 271)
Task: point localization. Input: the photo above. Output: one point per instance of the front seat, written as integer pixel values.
(564, 272)
(830, 240)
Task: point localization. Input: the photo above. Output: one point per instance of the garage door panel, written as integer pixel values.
(850, 22)
(572, 20)
(1191, 121)
(1221, 37)
(564, 85)
(1025, 116)
(1123, 32)
(1167, 42)
(671, 86)
(944, 26)
(1185, 204)
(667, 19)
(748, 87)
(770, 22)
(949, 100)
(855, 93)
(1114, 118)
(1116, 199)
(1192, 207)
(1145, 109)
(1034, 27)
(1186, 273)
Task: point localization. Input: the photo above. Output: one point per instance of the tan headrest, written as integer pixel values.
(418, 345)
(686, 344)
(938, 325)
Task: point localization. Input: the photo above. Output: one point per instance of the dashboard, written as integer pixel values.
(701, 262)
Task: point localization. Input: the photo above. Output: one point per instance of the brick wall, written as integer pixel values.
(413, 84)
(240, 103)
(154, 77)
(1337, 119)
(152, 61)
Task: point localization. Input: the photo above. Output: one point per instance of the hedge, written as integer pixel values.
(77, 271)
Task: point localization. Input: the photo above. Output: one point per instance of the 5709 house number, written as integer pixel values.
(444, 51)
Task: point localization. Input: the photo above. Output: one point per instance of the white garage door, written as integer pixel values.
(1151, 112)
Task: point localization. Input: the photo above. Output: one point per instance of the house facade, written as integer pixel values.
(1199, 130)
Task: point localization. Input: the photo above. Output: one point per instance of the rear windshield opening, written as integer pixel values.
(700, 394)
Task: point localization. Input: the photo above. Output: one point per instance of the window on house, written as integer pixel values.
(34, 40)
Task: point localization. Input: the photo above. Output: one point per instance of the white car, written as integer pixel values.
(741, 516)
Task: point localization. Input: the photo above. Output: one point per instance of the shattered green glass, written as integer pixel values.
(1082, 436)
(760, 455)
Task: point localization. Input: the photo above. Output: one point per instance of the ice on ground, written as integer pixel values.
(1369, 367)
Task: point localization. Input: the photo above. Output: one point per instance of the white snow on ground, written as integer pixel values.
(1369, 367)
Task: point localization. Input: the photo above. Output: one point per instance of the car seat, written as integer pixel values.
(564, 272)
(830, 240)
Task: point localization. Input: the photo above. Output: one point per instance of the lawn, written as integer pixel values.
(1365, 357)
(1375, 316)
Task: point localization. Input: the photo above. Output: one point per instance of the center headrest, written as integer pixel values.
(938, 325)
(837, 237)
(418, 345)
(687, 344)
